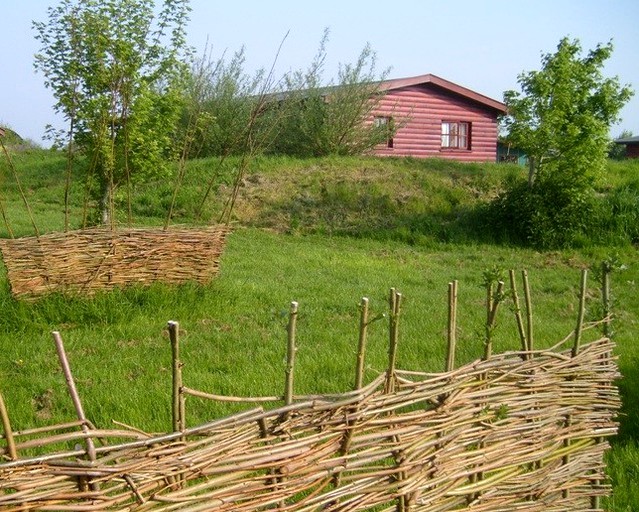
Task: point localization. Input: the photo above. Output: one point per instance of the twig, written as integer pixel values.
(66, 369)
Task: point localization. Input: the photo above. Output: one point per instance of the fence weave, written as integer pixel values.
(505, 434)
(88, 260)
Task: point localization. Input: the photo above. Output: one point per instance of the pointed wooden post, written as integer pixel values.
(359, 380)
(395, 301)
(605, 297)
(290, 354)
(580, 314)
(8, 432)
(575, 351)
(361, 346)
(607, 332)
(493, 298)
(452, 326)
(178, 397)
(518, 317)
(529, 312)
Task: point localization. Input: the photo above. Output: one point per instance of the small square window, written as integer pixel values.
(385, 123)
(455, 135)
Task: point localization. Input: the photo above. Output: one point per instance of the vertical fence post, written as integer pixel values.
(361, 346)
(395, 300)
(452, 326)
(605, 297)
(8, 433)
(607, 332)
(178, 397)
(493, 298)
(581, 313)
(290, 355)
(575, 351)
(359, 380)
(529, 312)
(518, 317)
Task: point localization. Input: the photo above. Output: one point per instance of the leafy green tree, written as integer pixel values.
(562, 117)
(224, 98)
(116, 69)
(561, 120)
(331, 119)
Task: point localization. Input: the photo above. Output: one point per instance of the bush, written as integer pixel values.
(546, 215)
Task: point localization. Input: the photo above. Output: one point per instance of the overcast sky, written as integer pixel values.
(482, 45)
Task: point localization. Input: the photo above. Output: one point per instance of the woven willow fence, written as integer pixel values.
(101, 259)
(521, 430)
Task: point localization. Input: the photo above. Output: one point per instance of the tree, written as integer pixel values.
(561, 120)
(225, 99)
(115, 69)
(562, 117)
(331, 119)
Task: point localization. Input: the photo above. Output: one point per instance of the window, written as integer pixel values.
(385, 123)
(455, 135)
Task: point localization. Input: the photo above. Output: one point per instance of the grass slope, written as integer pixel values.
(409, 226)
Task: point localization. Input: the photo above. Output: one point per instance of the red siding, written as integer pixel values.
(632, 150)
(419, 111)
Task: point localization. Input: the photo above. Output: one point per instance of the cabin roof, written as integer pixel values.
(628, 140)
(400, 83)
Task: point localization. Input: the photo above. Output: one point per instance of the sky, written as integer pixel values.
(480, 44)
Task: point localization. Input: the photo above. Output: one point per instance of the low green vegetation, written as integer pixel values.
(322, 232)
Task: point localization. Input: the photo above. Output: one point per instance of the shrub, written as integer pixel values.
(546, 215)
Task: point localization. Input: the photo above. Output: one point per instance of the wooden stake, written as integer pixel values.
(395, 300)
(361, 347)
(452, 326)
(178, 398)
(605, 297)
(518, 317)
(529, 312)
(492, 304)
(75, 397)
(290, 355)
(359, 380)
(8, 433)
(581, 313)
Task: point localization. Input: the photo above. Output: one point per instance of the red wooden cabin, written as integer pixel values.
(437, 118)
(632, 146)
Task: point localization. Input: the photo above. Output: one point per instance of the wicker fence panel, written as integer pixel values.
(100, 259)
(503, 434)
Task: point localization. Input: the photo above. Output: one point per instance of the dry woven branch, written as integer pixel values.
(420, 445)
(101, 259)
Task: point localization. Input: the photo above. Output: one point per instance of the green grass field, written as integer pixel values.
(323, 233)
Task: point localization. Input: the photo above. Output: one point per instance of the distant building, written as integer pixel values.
(437, 118)
(509, 154)
(632, 146)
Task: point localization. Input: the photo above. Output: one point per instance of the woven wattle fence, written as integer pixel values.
(516, 431)
(101, 259)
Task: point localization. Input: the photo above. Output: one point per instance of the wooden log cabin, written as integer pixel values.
(437, 118)
(632, 146)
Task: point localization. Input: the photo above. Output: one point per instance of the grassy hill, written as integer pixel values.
(321, 232)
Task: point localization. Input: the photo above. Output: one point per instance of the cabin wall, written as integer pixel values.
(632, 151)
(419, 112)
